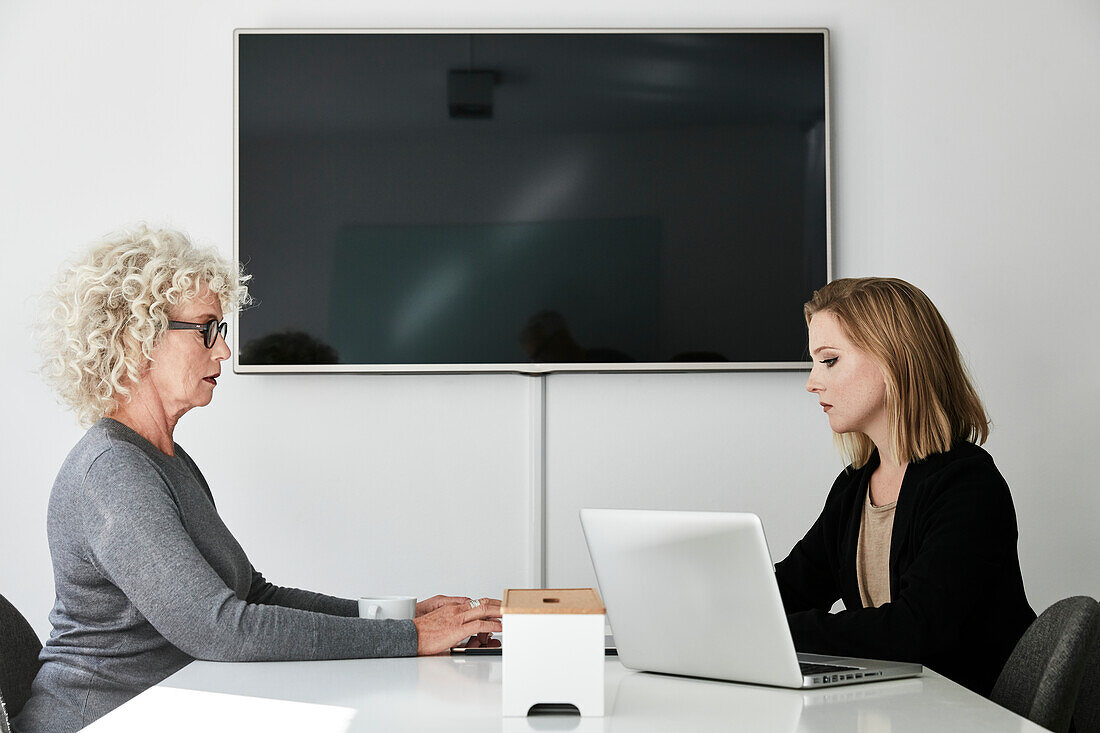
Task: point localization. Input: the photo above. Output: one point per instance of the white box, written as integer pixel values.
(553, 650)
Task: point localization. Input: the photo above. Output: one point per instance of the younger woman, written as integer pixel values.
(918, 535)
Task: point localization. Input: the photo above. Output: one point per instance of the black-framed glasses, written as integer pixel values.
(209, 330)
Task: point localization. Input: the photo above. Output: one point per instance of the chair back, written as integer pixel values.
(1043, 674)
(19, 648)
(5, 724)
(1086, 715)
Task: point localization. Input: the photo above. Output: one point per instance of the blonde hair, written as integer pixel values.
(109, 309)
(929, 398)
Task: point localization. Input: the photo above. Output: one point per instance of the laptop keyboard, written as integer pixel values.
(809, 668)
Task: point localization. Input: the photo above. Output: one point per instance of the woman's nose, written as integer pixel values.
(221, 349)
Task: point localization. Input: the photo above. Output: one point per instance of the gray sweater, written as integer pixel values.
(149, 578)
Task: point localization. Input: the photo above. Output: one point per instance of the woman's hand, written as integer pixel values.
(429, 605)
(481, 641)
(452, 622)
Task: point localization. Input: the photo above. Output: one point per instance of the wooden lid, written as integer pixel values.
(552, 600)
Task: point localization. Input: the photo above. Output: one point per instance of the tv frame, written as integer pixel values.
(533, 369)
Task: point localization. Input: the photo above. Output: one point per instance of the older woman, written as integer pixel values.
(147, 575)
(918, 534)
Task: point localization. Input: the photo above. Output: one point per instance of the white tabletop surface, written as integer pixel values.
(463, 694)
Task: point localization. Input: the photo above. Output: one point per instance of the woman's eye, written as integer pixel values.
(829, 362)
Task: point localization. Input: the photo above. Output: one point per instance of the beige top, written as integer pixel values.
(873, 553)
(552, 600)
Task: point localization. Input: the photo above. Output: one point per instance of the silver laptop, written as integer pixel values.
(694, 593)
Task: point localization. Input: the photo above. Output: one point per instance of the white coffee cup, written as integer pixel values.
(392, 607)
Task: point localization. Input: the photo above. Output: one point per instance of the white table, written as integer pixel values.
(463, 694)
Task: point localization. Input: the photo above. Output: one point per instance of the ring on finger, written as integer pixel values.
(475, 604)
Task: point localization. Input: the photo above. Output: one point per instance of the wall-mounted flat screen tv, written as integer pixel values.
(530, 201)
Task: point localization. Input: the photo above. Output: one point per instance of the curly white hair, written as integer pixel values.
(109, 309)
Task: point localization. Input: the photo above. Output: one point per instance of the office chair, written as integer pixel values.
(19, 648)
(1041, 678)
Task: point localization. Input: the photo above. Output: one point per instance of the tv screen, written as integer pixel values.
(530, 201)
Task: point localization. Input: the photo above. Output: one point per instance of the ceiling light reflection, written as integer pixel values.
(547, 194)
(433, 295)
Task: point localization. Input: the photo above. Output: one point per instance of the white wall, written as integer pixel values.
(966, 147)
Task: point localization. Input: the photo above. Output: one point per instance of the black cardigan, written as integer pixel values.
(957, 595)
